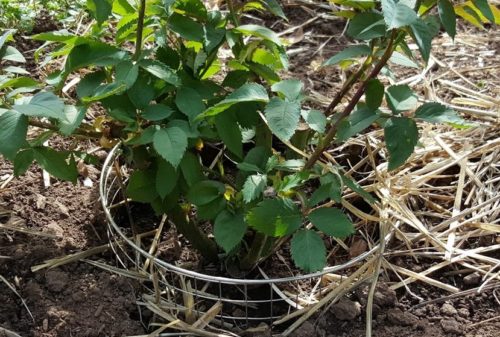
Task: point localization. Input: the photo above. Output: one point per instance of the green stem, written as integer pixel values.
(232, 11)
(192, 232)
(330, 135)
(77, 132)
(260, 245)
(140, 27)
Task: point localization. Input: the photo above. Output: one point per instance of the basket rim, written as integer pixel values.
(105, 173)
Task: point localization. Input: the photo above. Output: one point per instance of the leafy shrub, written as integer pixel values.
(208, 125)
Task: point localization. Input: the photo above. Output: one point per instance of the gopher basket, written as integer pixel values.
(228, 302)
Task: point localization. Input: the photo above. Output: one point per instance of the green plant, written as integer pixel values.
(220, 135)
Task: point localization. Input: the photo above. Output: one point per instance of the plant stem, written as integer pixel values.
(77, 132)
(257, 251)
(230, 5)
(330, 135)
(140, 27)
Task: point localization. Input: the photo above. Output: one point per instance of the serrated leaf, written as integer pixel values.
(229, 230)
(186, 27)
(89, 83)
(230, 132)
(43, 104)
(100, 9)
(249, 92)
(142, 92)
(157, 112)
(315, 119)
(205, 192)
(437, 113)
(94, 53)
(448, 17)
(170, 143)
(127, 72)
(166, 178)
(397, 14)
(401, 136)
(60, 164)
(162, 71)
(283, 117)
(254, 187)
(260, 31)
(349, 53)
(366, 26)
(331, 188)
(189, 102)
(73, 117)
(358, 121)
(141, 186)
(191, 169)
(275, 217)
(332, 221)
(291, 89)
(423, 33)
(374, 93)
(401, 98)
(308, 251)
(13, 130)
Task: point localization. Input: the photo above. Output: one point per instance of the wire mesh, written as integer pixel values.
(244, 302)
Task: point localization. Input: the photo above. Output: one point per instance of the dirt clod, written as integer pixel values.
(448, 310)
(56, 280)
(451, 326)
(306, 329)
(346, 310)
(398, 317)
(472, 279)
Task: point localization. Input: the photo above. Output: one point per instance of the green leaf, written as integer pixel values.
(170, 143)
(127, 72)
(308, 251)
(358, 121)
(291, 89)
(353, 185)
(260, 31)
(250, 92)
(230, 132)
(9, 53)
(283, 117)
(349, 53)
(211, 210)
(186, 27)
(73, 117)
(191, 169)
(157, 112)
(402, 60)
(423, 35)
(205, 192)
(401, 136)
(374, 93)
(332, 221)
(485, 9)
(89, 83)
(23, 161)
(275, 8)
(229, 230)
(189, 102)
(275, 217)
(194, 8)
(94, 53)
(19, 82)
(141, 186)
(401, 98)
(315, 119)
(448, 17)
(331, 188)
(254, 187)
(100, 9)
(142, 92)
(366, 26)
(6, 35)
(397, 14)
(438, 113)
(59, 164)
(166, 178)
(105, 90)
(13, 130)
(43, 104)
(162, 71)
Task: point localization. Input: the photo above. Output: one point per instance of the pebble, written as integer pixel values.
(463, 312)
(398, 317)
(472, 279)
(346, 310)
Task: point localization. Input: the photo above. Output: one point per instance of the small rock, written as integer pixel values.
(62, 208)
(56, 280)
(358, 247)
(383, 296)
(448, 310)
(463, 312)
(472, 279)
(306, 329)
(451, 326)
(45, 325)
(41, 201)
(398, 317)
(346, 310)
(420, 312)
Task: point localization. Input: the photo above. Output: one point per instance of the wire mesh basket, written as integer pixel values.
(231, 302)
